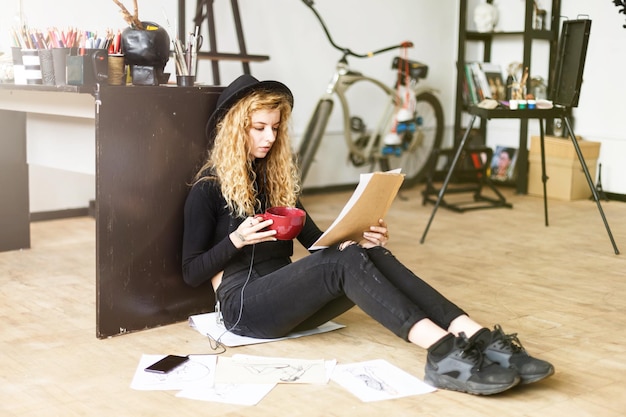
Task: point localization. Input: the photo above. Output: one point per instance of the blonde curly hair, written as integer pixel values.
(229, 161)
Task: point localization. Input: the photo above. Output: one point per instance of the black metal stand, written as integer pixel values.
(470, 177)
(541, 115)
(204, 11)
(599, 188)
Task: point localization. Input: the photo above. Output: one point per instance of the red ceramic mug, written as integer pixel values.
(288, 221)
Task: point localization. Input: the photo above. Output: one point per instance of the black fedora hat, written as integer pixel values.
(238, 89)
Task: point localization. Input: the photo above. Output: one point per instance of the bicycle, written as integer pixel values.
(412, 138)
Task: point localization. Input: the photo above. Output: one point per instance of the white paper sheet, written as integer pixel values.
(378, 380)
(207, 325)
(262, 369)
(238, 394)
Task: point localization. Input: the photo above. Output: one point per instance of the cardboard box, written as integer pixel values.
(566, 178)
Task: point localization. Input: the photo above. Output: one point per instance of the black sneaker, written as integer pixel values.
(456, 363)
(507, 351)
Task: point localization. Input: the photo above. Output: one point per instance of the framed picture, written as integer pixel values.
(502, 166)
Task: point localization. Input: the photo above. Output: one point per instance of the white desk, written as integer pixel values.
(59, 136)
(47, 133)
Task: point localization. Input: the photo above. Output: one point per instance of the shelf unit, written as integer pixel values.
(527, 37)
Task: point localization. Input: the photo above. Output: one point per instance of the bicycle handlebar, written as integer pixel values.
(348, 51)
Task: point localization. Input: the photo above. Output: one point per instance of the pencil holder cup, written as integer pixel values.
(16, 55)
(76, 70)
(47, 67)
(59, 62)
(19, 73)
(32, 66)
(185, 80)
(87, 69)
(117, 69)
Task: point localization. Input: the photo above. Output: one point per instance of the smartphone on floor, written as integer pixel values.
(167, 364)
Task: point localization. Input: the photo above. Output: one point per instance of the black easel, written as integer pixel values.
(471, 176)
(599, 188)
(204, 11)
(569, 70)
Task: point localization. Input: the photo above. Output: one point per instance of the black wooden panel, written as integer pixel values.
(14, 202)
(149, 143)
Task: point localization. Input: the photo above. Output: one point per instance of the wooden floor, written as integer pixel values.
(561, 288)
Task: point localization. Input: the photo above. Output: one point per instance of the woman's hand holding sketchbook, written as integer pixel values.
(370, 202)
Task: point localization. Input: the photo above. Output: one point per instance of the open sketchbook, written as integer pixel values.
(369, 203)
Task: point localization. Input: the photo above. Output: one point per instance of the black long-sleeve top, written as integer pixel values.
(207, 248)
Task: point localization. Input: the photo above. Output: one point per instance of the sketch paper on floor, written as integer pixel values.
(207, 325)
(238, 394)
(378, 380)
(261, 370)
(198, 370)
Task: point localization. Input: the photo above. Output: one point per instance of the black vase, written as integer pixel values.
(146, 47)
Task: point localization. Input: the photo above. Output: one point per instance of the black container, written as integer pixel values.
(185, 80)
(146, 47)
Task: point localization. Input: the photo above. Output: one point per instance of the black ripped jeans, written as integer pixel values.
(317, 288)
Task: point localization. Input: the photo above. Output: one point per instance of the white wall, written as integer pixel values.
(300, 55)
(287, 31)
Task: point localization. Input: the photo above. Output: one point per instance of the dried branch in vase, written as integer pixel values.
(132, 19)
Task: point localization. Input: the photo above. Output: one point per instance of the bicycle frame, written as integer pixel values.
(342, 79)
(339, 85)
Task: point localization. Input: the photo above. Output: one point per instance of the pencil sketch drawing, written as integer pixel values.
(368, 377)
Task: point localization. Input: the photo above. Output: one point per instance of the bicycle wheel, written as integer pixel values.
(416, 152)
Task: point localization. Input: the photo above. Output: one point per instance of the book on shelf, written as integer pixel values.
(481, 81)
(472, 97)
(484, 80)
